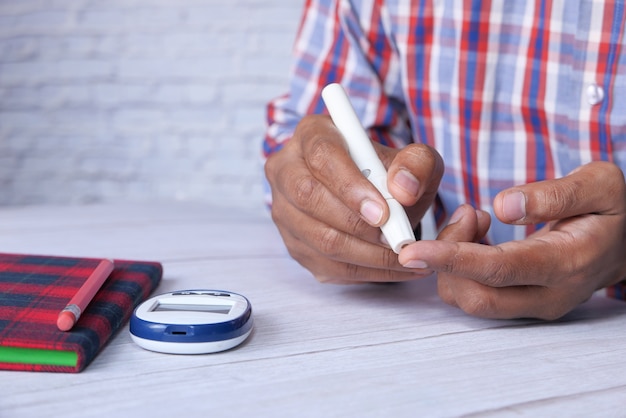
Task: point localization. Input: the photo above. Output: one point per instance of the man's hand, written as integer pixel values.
(328, 213)
(581, 249)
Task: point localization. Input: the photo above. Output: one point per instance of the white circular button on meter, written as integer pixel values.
(192, 322)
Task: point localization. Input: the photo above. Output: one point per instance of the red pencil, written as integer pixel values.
(70, 314)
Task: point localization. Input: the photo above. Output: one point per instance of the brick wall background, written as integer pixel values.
(102, 100)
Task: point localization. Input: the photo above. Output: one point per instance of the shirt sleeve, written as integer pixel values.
(346, 42)
(617, 291)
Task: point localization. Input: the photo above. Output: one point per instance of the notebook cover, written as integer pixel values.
(35, 288)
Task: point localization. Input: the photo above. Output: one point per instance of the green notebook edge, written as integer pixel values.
(20, 355)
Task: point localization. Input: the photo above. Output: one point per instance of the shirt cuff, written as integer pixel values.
(617, 291)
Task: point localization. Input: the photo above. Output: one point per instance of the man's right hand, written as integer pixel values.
(329, 214)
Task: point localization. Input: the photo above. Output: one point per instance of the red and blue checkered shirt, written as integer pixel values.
(509, 92)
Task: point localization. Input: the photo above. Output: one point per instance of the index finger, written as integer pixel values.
(501, 281)
(329, 161)
(514, 263)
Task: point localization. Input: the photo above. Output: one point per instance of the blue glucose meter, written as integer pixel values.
(192, 322)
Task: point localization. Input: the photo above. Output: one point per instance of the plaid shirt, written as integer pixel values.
(509, 92)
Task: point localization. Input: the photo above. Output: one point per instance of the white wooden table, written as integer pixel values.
(317, 350)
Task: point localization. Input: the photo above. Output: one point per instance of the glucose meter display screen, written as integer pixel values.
(170, 307)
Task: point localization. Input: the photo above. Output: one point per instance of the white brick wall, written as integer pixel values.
(102, 100)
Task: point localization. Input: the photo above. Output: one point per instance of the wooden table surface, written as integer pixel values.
(316, 350)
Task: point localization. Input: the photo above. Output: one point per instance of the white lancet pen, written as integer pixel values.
(397, 230)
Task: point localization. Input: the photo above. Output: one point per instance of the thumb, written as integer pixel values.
(596, 187)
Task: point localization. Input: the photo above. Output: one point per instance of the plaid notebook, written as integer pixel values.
(34, 289)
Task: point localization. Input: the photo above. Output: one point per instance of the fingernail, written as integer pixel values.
(407, 181)
(372, 212)
(456, 216)
(514, 206)
(416, 264)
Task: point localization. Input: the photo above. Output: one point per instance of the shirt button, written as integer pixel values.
(595, 94)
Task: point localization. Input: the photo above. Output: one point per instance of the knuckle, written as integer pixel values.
(331, 242)
(354, 224)
(304, 190)
(270, 167)
(500, 274)
(388, 258)
(276, 214)
(422, 160)
(421, 155)
(279, 162)
(499, 269)
(320, 153)
(309, 124)
(612, 172)
(444, 291)
(449, 265)
(559, 199)
(477, 303)
(352, 271)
